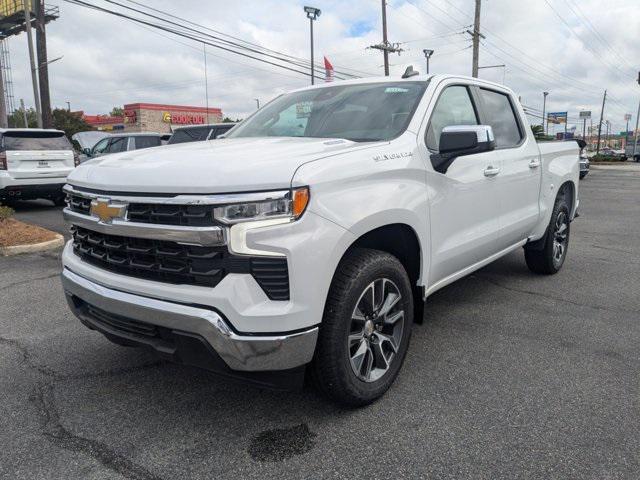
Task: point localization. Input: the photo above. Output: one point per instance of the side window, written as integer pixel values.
(454, 107)
(118, 144)
(101, 146)
(502, 118)
(147, 141)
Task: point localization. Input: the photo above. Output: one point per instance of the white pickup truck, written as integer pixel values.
(307, 240)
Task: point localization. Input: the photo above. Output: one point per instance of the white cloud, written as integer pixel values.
(110, 61)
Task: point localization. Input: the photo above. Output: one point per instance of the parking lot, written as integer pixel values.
(511, 375)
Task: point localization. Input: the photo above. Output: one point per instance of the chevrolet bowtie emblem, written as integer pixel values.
(106, 211)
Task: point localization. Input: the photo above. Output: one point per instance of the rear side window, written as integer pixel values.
(502, 118)
(147, 141)
(454, 107)
(221, 131)
(185, 135)
(35, 141)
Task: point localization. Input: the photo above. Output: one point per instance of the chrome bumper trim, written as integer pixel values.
(204, 236)
(239, 352)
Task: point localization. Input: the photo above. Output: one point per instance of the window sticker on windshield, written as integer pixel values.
(303, 109)
(396, 90)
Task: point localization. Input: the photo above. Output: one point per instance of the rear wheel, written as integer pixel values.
(365, 329)
(550, 258)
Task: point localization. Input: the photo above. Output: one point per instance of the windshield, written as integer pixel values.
(35, 141)
(362, 113)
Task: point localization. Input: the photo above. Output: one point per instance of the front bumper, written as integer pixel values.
(165, 325)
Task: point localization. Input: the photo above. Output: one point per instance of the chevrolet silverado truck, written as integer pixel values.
(306, 242)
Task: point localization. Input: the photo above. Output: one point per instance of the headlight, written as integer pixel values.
(283, 204)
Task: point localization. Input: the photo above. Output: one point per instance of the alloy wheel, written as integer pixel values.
(377, 324)
(560, 235)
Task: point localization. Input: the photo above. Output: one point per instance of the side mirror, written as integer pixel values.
(459, 140)
(86, 151)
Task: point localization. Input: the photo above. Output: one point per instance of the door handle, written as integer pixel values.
(491, 171)
(534, 163)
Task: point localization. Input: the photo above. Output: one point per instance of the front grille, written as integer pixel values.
(171, 262)
(160, 214)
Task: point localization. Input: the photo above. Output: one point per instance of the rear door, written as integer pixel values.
(37, 154)
(520, 177)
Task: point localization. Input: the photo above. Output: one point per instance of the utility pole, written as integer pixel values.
(604, 99)
(545, 126)
(4, 121)
(385, 46)
(476, 40)
(68, 106)
(34, 81)
(43, 65)
(384, 37)
(24, 114)
(206, 80)
(257, 103)
(635, 136)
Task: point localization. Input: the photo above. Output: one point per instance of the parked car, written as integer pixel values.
(34, 163)
(629, 150)
(584, 159)
(124, 142)
(88, 139)
(197, 133)
(164, 138)
(307, 240)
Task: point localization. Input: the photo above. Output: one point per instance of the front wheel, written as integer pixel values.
(365, 329)
(550, 258)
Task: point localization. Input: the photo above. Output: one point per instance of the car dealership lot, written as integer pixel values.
(510, 375)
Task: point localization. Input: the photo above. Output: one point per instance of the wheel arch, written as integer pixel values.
(403, 242)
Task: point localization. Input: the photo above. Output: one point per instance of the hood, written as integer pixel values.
(216, 166)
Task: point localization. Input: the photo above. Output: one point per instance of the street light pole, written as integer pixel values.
(427, 55)
(545, 126)
(257, 103)
(68, 106)
(312, 14)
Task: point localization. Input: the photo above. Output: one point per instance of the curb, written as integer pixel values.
(33, 248)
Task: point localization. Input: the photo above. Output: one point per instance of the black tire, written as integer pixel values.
(331, 370)
(544, 258)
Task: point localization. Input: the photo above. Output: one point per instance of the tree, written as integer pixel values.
(70, 122)
(16, 119)
(117, 112)
(230, 120)
(538, 131)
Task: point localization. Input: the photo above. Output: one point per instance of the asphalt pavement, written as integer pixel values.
(511, 375)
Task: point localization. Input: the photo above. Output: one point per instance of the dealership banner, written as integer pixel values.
(557, 117)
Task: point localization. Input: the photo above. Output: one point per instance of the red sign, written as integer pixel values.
(130, 116)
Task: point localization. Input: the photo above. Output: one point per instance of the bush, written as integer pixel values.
(5, 212)
(605, 158)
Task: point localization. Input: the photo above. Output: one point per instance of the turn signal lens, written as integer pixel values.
(300, 201)
(3, 161)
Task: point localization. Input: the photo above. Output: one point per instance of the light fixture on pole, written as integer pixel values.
(49, 62)
(545, 124)
(312, 14)
(427, 55)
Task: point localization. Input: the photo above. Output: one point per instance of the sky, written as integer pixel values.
(574, 49)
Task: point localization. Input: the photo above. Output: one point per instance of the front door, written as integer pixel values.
(464, 201)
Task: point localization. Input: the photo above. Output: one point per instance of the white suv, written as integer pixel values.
(34, 163)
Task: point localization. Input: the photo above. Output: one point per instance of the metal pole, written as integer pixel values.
(584, 129)
(257, 103)
(313, 76)
(68, 106)
(24, 113)
(34, 81)
(476, 40)
(604, 98)
(384, 38)
(544, 108)
(427, 65)
(206, 80)
(635, 140)
(4, 121)
(43, 64)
